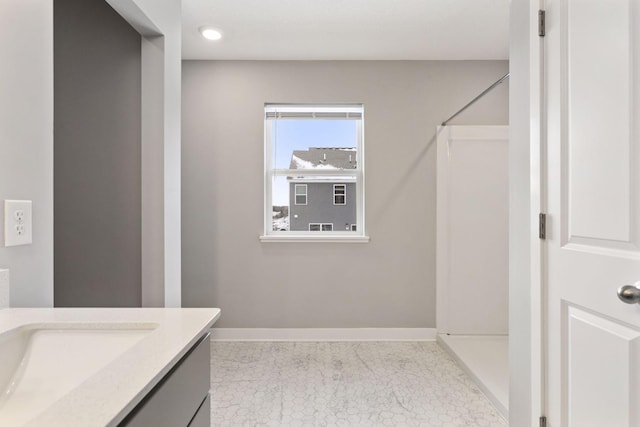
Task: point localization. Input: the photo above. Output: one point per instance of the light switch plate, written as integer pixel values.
(17, 222)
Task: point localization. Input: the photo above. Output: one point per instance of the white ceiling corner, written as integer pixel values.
(348, 29)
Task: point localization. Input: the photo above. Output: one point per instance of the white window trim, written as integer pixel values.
(346, 175)
(295, 194)
(344, 186)
(333, 237)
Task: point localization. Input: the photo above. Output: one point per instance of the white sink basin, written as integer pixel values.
(40, 363)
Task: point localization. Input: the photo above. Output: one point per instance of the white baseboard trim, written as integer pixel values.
(323, 334)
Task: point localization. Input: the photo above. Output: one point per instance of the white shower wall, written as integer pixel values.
(472, 222)
(472, 254)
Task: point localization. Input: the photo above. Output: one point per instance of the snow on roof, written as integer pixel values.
(324, 158)
(298, 163)
(322, 179)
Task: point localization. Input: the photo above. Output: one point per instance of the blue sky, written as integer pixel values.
(290, 135)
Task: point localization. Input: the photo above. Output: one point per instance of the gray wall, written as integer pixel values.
(97, 84)
(320, 207)
(389, 282)
(26, 143)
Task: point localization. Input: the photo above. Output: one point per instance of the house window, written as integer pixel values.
(313, 161)
(320, 227)
(339, 194)
(301, 194)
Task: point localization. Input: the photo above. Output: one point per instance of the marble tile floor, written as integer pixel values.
(343, 384)
(485, 358)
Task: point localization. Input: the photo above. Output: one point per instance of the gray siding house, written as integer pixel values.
(322, 203)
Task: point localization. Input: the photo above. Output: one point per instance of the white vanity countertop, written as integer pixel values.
(105, 398)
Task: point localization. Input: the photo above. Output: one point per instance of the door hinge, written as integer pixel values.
(543, 421)
(541, 23)
(542, 226)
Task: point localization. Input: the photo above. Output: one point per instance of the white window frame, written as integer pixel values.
(344, 186)
(274, 112)
(295, 194)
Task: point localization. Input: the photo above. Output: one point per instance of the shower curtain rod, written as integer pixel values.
(473, 101)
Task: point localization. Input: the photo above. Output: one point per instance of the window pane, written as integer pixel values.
(300, 194)
(322, 205)
(309, 148)
(339, 194)
(314, 144)
(280, 204)
(312, 204)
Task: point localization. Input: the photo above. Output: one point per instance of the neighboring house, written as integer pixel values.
(322, 203)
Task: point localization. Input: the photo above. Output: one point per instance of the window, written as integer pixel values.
(339, 194)
(301, 194)
(313, 160)
(320, 227)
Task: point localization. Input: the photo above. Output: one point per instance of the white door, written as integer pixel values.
(592, 64)
(472, 230)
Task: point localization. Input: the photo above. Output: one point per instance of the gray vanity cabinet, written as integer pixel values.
(181, 398)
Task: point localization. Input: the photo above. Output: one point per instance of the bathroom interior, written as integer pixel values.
(141, 147)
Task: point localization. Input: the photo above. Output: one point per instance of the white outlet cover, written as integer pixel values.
(17, 222)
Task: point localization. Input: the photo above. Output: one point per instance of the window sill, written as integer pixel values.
(314, 239)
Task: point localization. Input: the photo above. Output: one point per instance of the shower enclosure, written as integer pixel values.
(472, 253)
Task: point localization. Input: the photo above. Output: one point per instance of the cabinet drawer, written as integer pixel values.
(179, 395)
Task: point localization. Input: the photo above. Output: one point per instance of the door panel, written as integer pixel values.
(593, 148)
(599, 393)
(601, 208)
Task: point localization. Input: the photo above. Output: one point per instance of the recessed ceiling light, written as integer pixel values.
(210, 33)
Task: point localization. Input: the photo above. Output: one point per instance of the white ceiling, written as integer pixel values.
(347, 29)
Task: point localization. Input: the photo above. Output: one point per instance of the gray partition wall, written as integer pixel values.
(97, 188)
